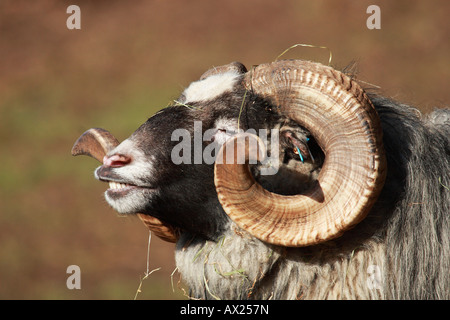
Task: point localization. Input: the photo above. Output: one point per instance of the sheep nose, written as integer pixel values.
(116, 160)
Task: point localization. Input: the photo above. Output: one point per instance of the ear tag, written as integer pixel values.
(300, 154)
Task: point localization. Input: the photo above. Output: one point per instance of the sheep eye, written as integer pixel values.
(219, 132)
(221, 135)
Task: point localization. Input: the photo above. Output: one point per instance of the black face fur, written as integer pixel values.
(183, 195)
(187, 198)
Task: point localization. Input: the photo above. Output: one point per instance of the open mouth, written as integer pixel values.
(127, 198)
(123, 195)
(117, 189)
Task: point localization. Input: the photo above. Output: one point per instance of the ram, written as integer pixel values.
(345, 196)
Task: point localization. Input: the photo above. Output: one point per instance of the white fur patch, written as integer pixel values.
(133, 202)
(211, 87)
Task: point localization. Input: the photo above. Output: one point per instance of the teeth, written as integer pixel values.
(117, 185)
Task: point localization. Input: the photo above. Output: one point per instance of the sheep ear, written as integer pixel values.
(233, 66)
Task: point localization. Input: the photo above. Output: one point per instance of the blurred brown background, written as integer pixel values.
(130, 59)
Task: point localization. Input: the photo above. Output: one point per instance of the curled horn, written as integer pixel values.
(96, 143)
(345, 124)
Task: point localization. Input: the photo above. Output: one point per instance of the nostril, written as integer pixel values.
(116, 160)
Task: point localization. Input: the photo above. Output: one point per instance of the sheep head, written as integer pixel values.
(299, 99)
